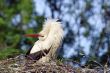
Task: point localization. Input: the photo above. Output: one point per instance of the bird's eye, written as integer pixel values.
(42, 36)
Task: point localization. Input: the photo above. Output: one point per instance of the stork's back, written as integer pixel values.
(55, 35)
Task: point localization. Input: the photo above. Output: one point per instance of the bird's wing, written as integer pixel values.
(37, 55)
(37, 47)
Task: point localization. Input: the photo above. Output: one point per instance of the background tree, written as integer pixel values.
(86, 24)
(17, 17)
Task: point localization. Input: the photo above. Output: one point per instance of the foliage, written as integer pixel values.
(9, 53)
(15, 19)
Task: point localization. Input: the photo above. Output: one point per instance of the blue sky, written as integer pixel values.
(95, 20)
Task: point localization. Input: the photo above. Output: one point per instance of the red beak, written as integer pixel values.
(33, 35)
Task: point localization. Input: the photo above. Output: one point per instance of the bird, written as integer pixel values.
(49, 40)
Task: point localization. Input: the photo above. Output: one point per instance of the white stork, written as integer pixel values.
(49, 40)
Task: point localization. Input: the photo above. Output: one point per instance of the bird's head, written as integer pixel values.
(41, 36)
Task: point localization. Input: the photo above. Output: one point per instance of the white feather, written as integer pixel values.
(53, 34)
